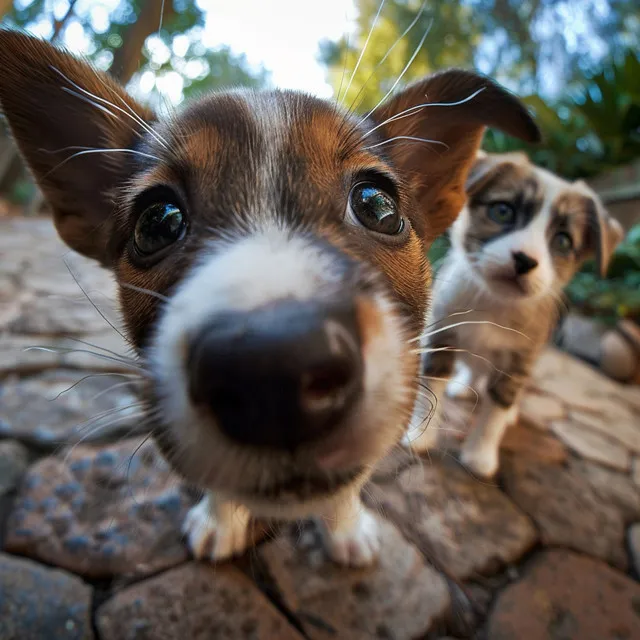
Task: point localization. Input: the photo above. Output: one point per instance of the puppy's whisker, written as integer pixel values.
(386, 55)
(406, 68)
(101, 427)
(109, 412)
(93, 304)
(409, 138)
(154, 294)
(450, 315)
(106, 151)
(110, 389)
(468, 322)
(115, 354)
(135, 117)
(364, 48)
(91, 375)
(474, 355)
(416, 108)
(100, 356)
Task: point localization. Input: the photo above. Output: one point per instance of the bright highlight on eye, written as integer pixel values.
(375, 209)
(159, 226)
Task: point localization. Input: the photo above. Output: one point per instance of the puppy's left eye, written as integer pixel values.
(375, 209)
(501, 212)
(562, 242)
(159, 226)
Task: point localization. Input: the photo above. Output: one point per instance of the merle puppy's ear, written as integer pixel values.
(69, 121)
(604, 233)
(488, 166)
(452, 108)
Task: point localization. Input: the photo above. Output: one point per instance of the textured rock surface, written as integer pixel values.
(51, 409)
(472, 526)
(101, 512)
(564, 596)
(399, 598)
(537, 410)
(592, 445)
(117, 524)
(37, 603)
(534, 444)
(195, 601)
(567, 509)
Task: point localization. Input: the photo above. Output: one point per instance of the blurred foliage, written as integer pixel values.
(591, 129)
(617, 296)
(170, 60)
(541, 47)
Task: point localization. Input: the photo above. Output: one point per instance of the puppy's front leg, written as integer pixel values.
(352, 531)
(216, 529)
(499, 410)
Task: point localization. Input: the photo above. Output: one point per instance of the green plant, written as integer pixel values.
(591, 129)
(617, 295)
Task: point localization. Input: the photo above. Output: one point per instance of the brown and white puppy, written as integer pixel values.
(283, 240)
(519, 240)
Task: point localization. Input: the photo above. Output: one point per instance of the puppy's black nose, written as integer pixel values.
(523, 263)
(278, 376)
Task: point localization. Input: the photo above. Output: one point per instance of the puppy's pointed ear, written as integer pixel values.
(488, 166)
(58, 106)
(452, 108)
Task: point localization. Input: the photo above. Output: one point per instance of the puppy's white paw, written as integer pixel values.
(357, 545)
(216, 533)
(481, 462)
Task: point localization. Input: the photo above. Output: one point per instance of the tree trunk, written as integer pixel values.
(126, 59)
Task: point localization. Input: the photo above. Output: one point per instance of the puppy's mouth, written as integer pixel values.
(510, 283)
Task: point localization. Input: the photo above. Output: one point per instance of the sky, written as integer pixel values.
(283, 35)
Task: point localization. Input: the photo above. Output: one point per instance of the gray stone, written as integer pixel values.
(13, 464)
(592, 445)
(567, 508)
(472, 527)
(615, 422)
(37, 603)
(195, 601)
(538, 410)
(101, 512)
(399, 597)
(62, 407)
(564, 596)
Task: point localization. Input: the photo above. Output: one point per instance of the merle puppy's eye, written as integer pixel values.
(501, 212)
(562, 242)
(375, 209)
(159, 226)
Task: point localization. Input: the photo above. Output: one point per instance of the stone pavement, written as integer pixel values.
(90, 513)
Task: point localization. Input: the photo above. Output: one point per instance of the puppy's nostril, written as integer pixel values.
(280, 376)
(325, 388)
(523, 263)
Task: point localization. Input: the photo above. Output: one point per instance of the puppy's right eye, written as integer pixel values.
(159, 226)
(501, 212)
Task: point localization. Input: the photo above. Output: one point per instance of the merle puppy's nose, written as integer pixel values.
(523, 263)
(278, 376)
